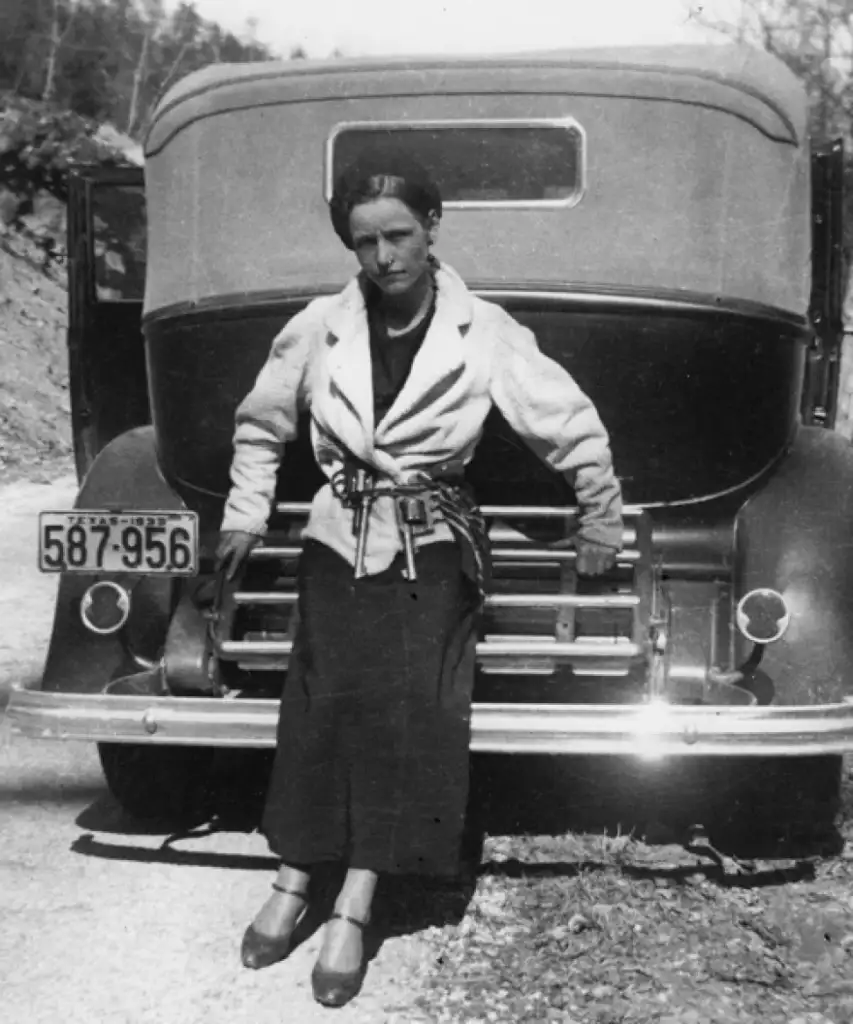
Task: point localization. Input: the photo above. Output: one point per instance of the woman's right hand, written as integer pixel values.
(233, 550)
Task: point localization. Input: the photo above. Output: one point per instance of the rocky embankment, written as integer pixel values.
(38, 146)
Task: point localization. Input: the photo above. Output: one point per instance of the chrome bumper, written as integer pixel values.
(646, 730)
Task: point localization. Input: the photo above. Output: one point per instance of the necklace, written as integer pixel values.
(420, 315)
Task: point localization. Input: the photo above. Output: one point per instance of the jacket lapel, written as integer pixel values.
(350, 373)
(440, 356)
(348, 412)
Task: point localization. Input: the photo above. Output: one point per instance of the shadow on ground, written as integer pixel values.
(782, 809)
(232, 802)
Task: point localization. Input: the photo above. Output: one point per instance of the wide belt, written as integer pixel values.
(418, 505)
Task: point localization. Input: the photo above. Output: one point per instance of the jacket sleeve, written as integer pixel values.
(545, 406)
(265, 421)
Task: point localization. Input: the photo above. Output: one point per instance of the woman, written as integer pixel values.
(399, 371)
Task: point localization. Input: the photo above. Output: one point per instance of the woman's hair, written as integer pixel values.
(382, 175)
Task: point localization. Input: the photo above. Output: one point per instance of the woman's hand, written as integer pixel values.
(233, 550)
(593, 559)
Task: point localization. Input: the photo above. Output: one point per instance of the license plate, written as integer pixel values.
(119, 542)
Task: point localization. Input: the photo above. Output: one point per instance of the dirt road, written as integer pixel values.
(26, 596)
(102, 923)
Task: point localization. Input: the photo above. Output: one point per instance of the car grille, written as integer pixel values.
(540, 618)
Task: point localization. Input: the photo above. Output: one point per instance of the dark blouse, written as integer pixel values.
(392, 359)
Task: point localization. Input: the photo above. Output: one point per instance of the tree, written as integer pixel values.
(19, 25)
(111, 60)
(153, 17)
(813, 37)
(61, 20)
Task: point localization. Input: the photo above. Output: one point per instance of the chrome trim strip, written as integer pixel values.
(636, 730)
(631, 301)
(568, 123)
(226, 304)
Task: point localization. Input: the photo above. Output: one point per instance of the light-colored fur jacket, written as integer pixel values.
(474, 356)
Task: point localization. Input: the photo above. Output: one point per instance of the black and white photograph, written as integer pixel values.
(426, 512)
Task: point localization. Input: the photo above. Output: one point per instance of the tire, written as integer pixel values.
(169, 784)
(749, 806)
(795, 802)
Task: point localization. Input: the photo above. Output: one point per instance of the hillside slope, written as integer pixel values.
(39, 144)
(35, 435)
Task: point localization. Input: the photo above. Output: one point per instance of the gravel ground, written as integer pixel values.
(101, 923)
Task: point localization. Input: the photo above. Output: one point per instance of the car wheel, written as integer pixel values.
(163, 783)
(797, 799)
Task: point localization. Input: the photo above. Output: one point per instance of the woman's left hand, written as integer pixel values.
(593, 559)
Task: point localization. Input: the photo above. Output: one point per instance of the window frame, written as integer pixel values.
(568, 123)
(100, 184)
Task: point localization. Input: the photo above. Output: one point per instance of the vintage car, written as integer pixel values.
(657, 217)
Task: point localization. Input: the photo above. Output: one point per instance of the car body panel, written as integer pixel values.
(690, 328)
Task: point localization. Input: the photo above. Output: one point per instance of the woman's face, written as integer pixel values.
(392, 243)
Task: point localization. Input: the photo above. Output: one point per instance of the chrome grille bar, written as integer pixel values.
(535, 647)
(518, 644)
(302, 508)
(266, 554)
(532, 554)
(516, 554)
(544, 600)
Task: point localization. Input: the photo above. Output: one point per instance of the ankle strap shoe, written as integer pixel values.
(258, 950)
(337, 988)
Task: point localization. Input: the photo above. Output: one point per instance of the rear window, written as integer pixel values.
(477, 163)
(119, 226)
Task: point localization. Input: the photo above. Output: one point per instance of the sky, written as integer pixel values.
(472, 26)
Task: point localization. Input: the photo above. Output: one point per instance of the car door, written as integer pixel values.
(106, 280)
(820, 394)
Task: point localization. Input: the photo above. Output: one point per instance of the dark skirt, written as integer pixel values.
(371, 766)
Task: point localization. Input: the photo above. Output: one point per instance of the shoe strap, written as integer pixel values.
(290, 892)
(349, 920)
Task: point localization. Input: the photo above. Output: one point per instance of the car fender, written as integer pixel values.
(124, 474)
(796, 536)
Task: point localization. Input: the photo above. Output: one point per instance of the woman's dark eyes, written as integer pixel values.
(393, 236)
